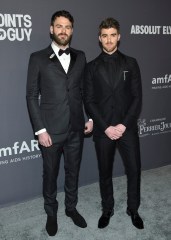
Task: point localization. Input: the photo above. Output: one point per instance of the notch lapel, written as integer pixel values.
(104, 74)
(120, 72)
(72, 61)
(54, 60)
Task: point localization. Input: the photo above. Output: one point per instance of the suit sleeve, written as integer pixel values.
(33, 93)
(89, 99)
(136, 93)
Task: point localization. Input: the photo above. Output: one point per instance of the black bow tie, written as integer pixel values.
(66, 51)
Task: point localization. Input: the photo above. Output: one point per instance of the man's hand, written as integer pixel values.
(121, 128)
(88, 127)
(45, 139)
(113, 133)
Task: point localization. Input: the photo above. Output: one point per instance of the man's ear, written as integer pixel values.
(51, 29)
(100, 39)
(119, 37)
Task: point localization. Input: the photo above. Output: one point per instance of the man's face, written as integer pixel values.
(109, 38)
(62, 31)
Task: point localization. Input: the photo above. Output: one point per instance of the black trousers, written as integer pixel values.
(129, 149)
(69, 144)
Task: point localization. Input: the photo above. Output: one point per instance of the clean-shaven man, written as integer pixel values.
(54, 97)
(113, 97)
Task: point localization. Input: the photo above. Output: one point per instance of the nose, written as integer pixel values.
(63, 30)
(108, 39)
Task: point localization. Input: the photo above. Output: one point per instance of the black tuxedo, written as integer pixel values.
(61, 100)
(59, 109)
(112, 94)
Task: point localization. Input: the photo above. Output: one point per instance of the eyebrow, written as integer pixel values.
(57, 24)
(105, 34)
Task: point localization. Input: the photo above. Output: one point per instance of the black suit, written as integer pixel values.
(60, 111)
(112, 94)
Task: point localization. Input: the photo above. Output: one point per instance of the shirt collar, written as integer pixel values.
(56, 48)
(107, 56)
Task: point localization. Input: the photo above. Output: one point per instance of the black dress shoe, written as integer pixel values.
(136, 219)
(76, 218)
(51, 225)
(105, 219)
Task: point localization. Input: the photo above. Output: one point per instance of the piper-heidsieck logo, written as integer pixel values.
(162, 82)
(153, 127)
(150, 30)
(15, 27)
(19, 152)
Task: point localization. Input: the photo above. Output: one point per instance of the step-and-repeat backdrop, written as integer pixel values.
(24, 28)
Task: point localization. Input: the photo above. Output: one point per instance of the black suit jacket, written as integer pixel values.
(113, 103)
(55, 98)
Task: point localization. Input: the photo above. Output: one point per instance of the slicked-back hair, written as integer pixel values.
(109, 23)
(62, 13)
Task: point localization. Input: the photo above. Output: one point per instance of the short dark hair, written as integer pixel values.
(109, 23)
(62, 13)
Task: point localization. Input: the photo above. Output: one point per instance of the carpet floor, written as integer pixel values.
(26, 221)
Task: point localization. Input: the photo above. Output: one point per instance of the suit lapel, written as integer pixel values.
(54, 61)
(119, 72)
(72, 61)
(104, 74)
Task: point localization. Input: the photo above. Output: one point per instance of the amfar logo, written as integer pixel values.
(154, 127)
(161, 82)
(19, 148)
(146, 29)
(15, 27)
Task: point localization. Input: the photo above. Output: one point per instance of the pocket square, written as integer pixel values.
(124, 72)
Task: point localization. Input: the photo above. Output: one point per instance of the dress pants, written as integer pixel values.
(129, 149)
(69, 144)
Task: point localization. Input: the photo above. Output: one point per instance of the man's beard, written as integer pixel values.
(61, 42)
(109, 50)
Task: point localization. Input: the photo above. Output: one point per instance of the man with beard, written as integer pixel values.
(113, 99)
(54, 97)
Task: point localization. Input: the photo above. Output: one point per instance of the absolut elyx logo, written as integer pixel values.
(153, 127)
(150, 29)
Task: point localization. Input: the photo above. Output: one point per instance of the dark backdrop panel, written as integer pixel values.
(20, 159)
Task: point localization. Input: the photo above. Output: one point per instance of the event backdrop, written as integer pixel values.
(24, 28)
